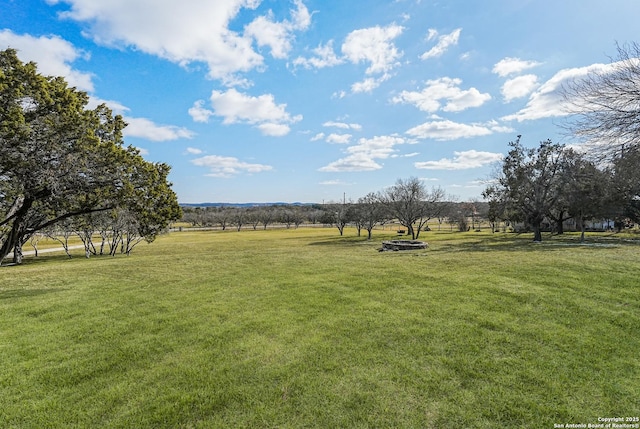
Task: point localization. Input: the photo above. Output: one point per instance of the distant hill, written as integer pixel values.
(244, 204)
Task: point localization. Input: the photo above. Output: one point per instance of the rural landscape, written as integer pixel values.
(396, 305)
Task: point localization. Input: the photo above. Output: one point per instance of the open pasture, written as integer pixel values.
(303, 328)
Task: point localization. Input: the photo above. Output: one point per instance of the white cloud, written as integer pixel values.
(236, 107)
(184, 34)
(444, 42)
(496, 127)
(508, 66)
(339, 94)
(339, 138)
(375, 46)
(146, 129)
(547, 101)
(325, 56)
(363, 156)
(519, 87)
(406, 155)
(301, 16)
(115, 106)
(53, 55)
(432, 34)
(226, 166)
(352, 163)
(199, 113)
(278, 35)
(342, 125)
(274, 130)
(317, 137)
(369, 84)
(447, 89)
(448, 130)
(461, 161)
(194, 151)
(269, 33)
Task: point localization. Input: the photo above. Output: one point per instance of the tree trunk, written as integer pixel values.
(560, 225)
(537, 234)
(13, 242)
(5, 249)
(410, 231)
(14, 238)
(17, 253)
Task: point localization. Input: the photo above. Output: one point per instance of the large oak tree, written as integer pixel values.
(529, 182)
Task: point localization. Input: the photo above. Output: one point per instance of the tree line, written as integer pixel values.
(407, 202)
(64, 164)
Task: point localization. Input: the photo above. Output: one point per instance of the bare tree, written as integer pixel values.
(413, 206)
(371, 212)
(431, 208)
(61, 233)
(85, 228)
(35, 238)
(404, 201)
(288, 217)
(253, 218)
(239, 217)
(605, 104)
(314, 215)
(336, 214)
(266, 216)
(221, 216)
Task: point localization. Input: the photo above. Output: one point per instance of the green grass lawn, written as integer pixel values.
(303, 328)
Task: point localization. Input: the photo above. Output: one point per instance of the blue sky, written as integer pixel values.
(312, 100)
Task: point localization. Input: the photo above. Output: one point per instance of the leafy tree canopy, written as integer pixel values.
(59, 160)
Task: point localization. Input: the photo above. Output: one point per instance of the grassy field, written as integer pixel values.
(303, 328)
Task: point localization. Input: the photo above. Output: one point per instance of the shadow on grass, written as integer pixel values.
(524, 243)
(45, 258)
(348, 241)
(26, 293)
(499, 242)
